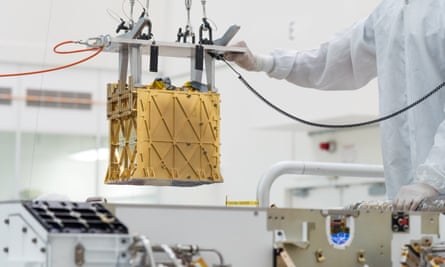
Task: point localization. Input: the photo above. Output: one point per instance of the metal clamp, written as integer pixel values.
(96, 42)
(188, 31)
(205, 27)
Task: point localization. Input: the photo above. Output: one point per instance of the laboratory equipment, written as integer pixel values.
(56, 233)
(77, 234)
(163, 135)
(43, 233)
(368, 234)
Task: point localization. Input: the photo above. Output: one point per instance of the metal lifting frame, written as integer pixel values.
(131, 49)
(312, 168)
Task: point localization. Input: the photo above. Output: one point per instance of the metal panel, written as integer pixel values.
(238, 233)
(370, 237)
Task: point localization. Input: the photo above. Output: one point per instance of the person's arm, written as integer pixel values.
(347, 61)
(430, 177)
(432, 171)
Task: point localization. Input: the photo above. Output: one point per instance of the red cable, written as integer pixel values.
(98, 51)
(70, 51)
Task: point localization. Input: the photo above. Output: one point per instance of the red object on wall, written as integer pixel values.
(325, 146)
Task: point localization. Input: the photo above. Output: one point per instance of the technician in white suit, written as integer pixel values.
(402, 43)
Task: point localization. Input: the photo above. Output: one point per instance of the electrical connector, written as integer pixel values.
(96, 42)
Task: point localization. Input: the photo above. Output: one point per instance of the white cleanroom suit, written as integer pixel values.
(402, 43)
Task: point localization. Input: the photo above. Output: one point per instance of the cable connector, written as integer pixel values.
(96, 42)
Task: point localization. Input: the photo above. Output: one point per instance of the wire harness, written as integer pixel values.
(322, 125)
(56, 50)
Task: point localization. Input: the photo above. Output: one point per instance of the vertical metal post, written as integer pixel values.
(195, 75)
(123, 64)
(136, 64)
(210, 72)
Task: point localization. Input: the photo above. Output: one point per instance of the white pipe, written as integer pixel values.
(312, 168)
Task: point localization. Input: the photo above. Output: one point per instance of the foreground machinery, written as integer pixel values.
(72, 234)
(368, 233)
(365, 234)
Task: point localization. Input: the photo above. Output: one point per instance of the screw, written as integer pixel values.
(6, 221)
(6, 250)
(43, 250)
(24, 230)
(123, 241)
(34, 240)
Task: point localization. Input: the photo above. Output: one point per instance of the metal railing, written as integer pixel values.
(312, 168)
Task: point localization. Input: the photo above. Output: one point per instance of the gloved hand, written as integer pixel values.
(246, 60)
(410, 196)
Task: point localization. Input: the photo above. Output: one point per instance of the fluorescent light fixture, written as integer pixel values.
(91, 155)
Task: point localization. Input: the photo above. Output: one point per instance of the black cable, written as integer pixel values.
(359, 124)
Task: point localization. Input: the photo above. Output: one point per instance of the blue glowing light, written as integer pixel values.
(340, 238)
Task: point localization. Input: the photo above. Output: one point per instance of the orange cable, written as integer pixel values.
(71, 51)
(98, 51)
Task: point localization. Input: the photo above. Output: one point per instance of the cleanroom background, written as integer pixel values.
(37, 143)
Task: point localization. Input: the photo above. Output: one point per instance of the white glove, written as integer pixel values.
(248, 60)
(410, 196)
